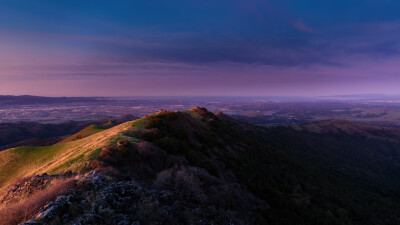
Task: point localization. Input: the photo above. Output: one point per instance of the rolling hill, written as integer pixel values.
(197, 167)
(36, 133)
(73, 155)
(85, 132)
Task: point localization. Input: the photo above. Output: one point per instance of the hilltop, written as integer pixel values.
(191, 167)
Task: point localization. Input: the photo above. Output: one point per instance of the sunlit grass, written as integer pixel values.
(87, 131)
(75, 155)
(194, 115)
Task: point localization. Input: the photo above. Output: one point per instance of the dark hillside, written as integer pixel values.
(295, 191)
(196, 167)
(362, 158)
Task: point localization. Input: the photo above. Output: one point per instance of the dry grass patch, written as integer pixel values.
(25, 209)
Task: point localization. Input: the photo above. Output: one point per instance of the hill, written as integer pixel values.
(35, 133)
(196, 167)
(368, 153)
(335, 126)
(74, 155)
(85, 132)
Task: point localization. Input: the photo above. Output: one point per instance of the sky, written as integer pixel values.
(199, 48)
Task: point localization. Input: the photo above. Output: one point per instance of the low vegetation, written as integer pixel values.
(191, 166)
(26, 208)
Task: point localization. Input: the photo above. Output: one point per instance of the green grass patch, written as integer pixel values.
(18, 161)
(140, 123)
(37, 153)
(86, 132)
(194, 115)
(76, 161)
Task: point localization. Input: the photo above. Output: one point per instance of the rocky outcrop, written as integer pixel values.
(28, 186)
(100, 200)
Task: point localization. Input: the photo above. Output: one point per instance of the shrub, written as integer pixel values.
(154, 123)
(123, 145)
(104, 168)
(161, 119)
(208, 139)
(170, 145)
(210, 167)
(150, 134)
(133, 132)
(182, 183)
(21, 211)
(167, 115)
(144, 147)
(110, 155)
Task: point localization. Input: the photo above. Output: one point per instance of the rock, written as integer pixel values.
(104, 201)
(32, 222)
(49, 212)
(65, 218)
(92, 218)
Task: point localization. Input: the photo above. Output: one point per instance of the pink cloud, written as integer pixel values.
(90, 38)
(299, 25)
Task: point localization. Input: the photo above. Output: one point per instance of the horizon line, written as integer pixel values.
(209, 96)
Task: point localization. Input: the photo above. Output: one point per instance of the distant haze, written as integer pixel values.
(199, 48)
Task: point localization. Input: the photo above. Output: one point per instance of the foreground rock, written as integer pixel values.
(99, 199)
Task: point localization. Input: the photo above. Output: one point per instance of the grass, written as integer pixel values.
(15, 162)
(27, 207)
(194, 115)
(140, 123)
(74, 155)
(87, 131)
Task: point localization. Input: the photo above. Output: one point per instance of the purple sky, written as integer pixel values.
(191, 48)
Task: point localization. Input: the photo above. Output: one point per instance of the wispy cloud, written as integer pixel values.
(265, 42)
(299, 25)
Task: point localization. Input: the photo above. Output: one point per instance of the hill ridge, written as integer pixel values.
(197, 167)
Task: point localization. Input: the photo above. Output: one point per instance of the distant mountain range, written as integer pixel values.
(362, 97)
(31, 100)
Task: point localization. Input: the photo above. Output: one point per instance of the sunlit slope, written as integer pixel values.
(75, 155)
(87, 131)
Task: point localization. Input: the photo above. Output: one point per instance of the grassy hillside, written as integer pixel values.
(87, 131)
(241, 171)
(39, 134)
(74, 155)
